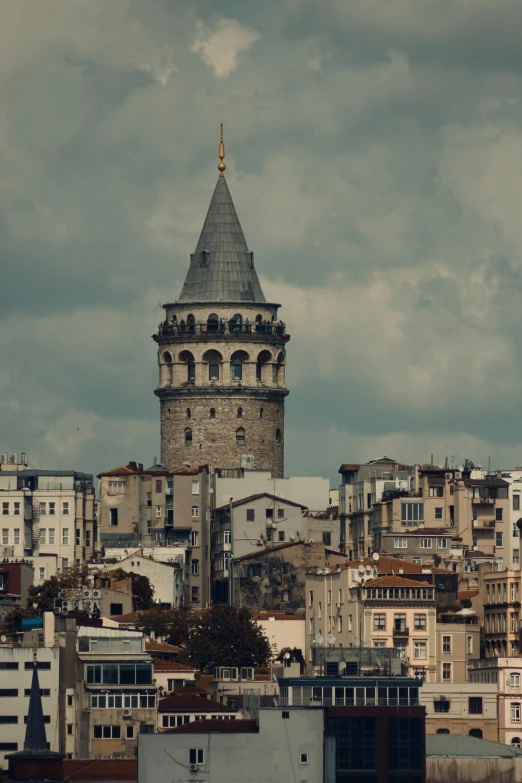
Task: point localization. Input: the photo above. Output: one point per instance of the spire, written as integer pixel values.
(35, 739)
(222, 267)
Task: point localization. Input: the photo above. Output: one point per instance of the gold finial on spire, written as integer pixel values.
(221, 166)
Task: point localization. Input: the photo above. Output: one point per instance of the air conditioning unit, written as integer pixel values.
(127, 713)
(96, 593)
(448, 475)
(193, 767)
(458, 474)
(65, 604)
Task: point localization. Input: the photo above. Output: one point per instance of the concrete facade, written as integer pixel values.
(506, 673)
(458, 643)
(167, 579)
(309, 491)
(461, 708)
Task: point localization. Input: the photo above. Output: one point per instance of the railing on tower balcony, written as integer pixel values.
(219, 330)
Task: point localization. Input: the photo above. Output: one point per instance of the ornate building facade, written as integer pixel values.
(222, 355)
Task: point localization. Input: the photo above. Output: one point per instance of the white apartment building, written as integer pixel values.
(49, 515)
(507, 674)
(312, 492)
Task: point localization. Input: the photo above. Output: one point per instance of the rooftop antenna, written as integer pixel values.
(221, 166)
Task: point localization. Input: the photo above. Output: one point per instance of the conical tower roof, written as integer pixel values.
(35, 739)
(222, 267)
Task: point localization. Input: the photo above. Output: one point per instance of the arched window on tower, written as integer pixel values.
(191, 323)
(188, 358)
(212, 323)
(212, 413)
(263, 358)
(278, 436)
(188, 437)
(167, 357)
(237, 369)
(240, 436)
(213, 359)
(260, 413)
(240, 413)
(189, 413)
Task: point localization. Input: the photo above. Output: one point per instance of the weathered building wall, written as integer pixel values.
(470, 770)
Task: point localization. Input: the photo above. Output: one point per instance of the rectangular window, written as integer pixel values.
(43, 692)
(52, 508)
(194, 538)
(442, 543)
(9, 665)
(65, 563)
(195, 567)
(303, 758)
(470, 645)
(5, 509)
(16, 532)
(8, 746)
(129, 730)
(515, 712)
(159, 485)
(499, 539)
(419, 622)
(195, 512)
(43, 535)
(251, 514)
(41, 666)
(446, 644)
(5, 536)
(438, 512)
(106, 732)
(65, 508)
(269, 513)
(16, 511)
(400, 543)
(475, 705)
(113, 517)
(88, 538)
(446, 672)
(281, 535)
(196, 756)
(43, 509)
(379, 622)
(41, 572)
(436, 492)
(78, 537)
(65, 535)
(195, 487)
(280, 513)
(51, 535)
(441, 706)
(158, 512)
(516, 556)
(516, 501)
(514, 680)
(412, 514)
(8, 718)
(419, 650)
(498, 514)
(426, 543)
(195, 594)
(311, 598)
(69, 700)
(327, 539)
(116, 487)
(8, 692)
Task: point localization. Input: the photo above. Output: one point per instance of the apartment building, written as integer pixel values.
(48, 514)
(423, 546)
(461, 708)
(116, 692)
(160, 508)
(501, 592)
(506, 674)
(457, 643)
(362, 486)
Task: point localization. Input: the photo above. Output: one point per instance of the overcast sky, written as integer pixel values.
(374, 152)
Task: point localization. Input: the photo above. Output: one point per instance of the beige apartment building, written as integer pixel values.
(461, 708)
(506, 673)
(458, 642)
(500, 593)
(157, 507)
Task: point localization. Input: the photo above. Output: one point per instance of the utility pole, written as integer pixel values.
(231, 560)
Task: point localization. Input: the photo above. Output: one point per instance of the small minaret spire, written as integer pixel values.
(221, 166)
(35, 739)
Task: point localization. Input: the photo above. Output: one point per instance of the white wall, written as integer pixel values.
(310, 491)
(161, 576)
(284, 633)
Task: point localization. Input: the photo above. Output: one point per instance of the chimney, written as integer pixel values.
(48, 633)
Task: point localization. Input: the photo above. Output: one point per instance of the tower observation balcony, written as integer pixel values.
(229, 331)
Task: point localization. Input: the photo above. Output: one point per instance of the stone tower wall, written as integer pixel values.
(214, 439)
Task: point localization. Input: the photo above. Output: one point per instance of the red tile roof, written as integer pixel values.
(190, 702)
(392, 565)
(101, 770)
(152, 645)
(467, 594)
(249, 498)
(276, 548)
(265, 614)
(161, 665)
(217, 727)
(395, 581)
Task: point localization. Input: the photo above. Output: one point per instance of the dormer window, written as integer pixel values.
(205, 257)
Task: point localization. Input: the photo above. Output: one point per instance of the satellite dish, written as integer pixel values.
(355, 641)
(361, 569)
(376, 557)
(319, 639)
(357, 579)
(331, 638)
(342, 666)
(3, 638)
(368, 569)
(287, 656)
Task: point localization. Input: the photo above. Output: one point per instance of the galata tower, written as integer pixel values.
(221, 355)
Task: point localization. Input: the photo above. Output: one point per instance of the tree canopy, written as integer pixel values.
(295, 653)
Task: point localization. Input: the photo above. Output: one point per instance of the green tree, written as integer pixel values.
(12, 622)
(41, 597)
(142, 590)
(226, 636)
(295, 653)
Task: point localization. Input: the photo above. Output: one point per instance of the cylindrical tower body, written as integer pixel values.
(222, 357)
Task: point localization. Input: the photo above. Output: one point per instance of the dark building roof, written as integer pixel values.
(462, 746)
(394, 581)
(190, 702)
(101, 770)
(271, 549)
(228, 273)
(216, 727)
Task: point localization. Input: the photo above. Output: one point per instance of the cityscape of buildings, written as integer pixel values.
(391, 602)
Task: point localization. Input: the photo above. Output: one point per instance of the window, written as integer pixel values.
(280, 513)
(515, 742)
(475, 705)
(436, 492)
(498, 514)
(41, 572)
(426, 543)
(419, 622)
(281, 535)
(196, 756)
(269, 513)
(212, 413)
(43, 692)
(10, 665)
(129, 732)
(311, 598)
(65, 563)
(515, 712)
(51, 535)
(5, 509)
(443, 731)
(379, 622)
(8, 718)
(87, 538)
(106, 732)
(400, 543)
(303, 758)
(285, 715)
(69, 728)
(115, 488)
(16, 510)
(499, 539)
(260, 413)
(8, 692)
(69, 700)
(419, 650)
(159, 485)
(41, 666)
(239, 413)
(446, 672)
(113, 517)
(43, 535)
(278, 436)
(195, 487)
(441, 706)
(188, 437)
(470, 645)
(16, 532)
(158, 512)
(194, 538)
(327, 537)
(195, 595)
(52, 509)
(285, 596)
(442, 543)
(516, 556)
(516, 502)
(240, 436)
(195, 512)
(195, 567)
(412, 514)
(189, 413)
(78, 537)
(514, 680)
(65, 508)
(43, 509)
(438, 512)
(5, 536)
(8, 746)
(446, 644)
(251, 514)
(213, 369)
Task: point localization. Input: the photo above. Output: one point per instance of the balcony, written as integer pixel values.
(401, 631)
(483, 524)
(483, 501)
(169, 333)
